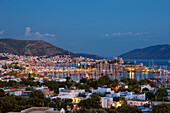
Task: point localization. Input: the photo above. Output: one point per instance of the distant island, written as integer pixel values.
(36, 48)
(152, 52)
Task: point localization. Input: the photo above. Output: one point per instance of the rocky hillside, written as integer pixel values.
(30, 48)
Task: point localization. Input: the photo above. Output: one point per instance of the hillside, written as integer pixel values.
(152, 52)
(30, 48)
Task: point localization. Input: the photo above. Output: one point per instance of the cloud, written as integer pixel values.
(129, 33)
(106, 35)
(29, 34)
(2, 32)
(49, 35)
(119, 34)
(38, 34)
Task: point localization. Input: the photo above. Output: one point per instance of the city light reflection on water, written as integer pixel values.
(131, 75)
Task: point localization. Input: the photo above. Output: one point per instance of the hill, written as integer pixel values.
(30, 48)
(152, 52)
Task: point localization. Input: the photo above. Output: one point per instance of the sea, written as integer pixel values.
(160, 63)
(157, 63)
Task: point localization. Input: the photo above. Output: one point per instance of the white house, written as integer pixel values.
(16, 92)
(101, 90)
(137, 102)
(147, 86)
(106, 102)
(128, 95)
(69, 93)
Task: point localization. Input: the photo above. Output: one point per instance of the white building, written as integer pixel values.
(137, 102)
(128, 95)
(147, 86)
(16, 92)
(69, 93)
(101, 90)
(106, 102)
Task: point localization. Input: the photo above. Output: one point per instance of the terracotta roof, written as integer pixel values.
(91, 88)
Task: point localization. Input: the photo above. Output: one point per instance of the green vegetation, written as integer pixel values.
(83, 80)
(28, 88)
(162, 108)
(18, 103)
(22, 47)
(161, 94)
(81, 95)
(36, 99)
(2, 93)
(128, 109)
(92, 102)
(62, 103)
(150, 96)
(105, 81)
(145, 90)
(92, 110)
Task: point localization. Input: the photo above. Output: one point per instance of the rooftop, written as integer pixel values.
(37, 110)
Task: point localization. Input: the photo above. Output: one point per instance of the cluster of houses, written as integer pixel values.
(107, 98)
(24, 92)
(134, 99)
(41, 65)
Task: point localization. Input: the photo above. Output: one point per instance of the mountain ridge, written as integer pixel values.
(151, 52)
(36, 48)
(31, 48)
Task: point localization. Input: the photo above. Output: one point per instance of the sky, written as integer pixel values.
(101, 27)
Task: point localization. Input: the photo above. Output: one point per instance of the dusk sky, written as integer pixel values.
(102, 27)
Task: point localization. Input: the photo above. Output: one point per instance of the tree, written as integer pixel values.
(150, 96)
(122, 89)
(110, 110)
(92, 102)
(129, 81)
(2, 93)
(68, 79)
(125, 80)
(63, 103)
(47, 101)
(129, 109)
(92, 110)
(28, 88)
(53, 105)
(162, 108)
(83, 80)
(37, 94)
(81, 95)
(115, 82)
(83, 86)
(153, 84)
(136, 90)
(29, 76)
(104, 80)
(145, 90)
(122, 100)
(115, 98)
(144, 81)
(161, 94)
(92, 83)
